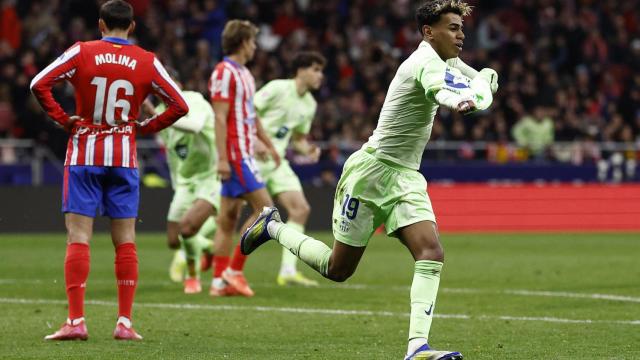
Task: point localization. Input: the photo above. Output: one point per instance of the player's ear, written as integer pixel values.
(427, 32)
(131, 28)
(102, 26)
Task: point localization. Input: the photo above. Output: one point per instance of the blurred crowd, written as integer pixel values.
(568, 68)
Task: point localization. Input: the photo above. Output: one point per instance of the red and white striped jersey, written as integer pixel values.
(111, 78)
(233, 83)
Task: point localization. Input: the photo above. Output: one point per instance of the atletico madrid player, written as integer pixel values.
(111, 78)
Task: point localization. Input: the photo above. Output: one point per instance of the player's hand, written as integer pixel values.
(262, 153)
(71, 123)
(466, 107)
(275, 156)
(147, 108)
(224, 170)
(314, 153)
(491, 76)
(146, 121)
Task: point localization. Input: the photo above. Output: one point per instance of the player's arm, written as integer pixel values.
(489, 74)
(301, 145)
(63, 68)
(193, 122)
(262, 136)
(166, 89)
(221, 111)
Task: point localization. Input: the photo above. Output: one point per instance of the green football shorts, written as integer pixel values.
(372, 192)
(280, 179)
(206, 188)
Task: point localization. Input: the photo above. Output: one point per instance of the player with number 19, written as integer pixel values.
(380, 183)
(111, 78)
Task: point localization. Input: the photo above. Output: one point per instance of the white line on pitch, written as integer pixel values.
(519, 292)
(291, 310)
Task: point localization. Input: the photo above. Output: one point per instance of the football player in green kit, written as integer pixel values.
(380, 183)
(286, 109)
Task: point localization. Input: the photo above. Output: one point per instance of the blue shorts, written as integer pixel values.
(109, 191)
(245, 178)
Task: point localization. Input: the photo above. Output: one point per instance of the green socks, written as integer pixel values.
(289, 261)
(313, 252)
(424, 289)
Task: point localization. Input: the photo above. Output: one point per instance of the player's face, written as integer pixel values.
(312, 76)
(250, 48)
(447, 36)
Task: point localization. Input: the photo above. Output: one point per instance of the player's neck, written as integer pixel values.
(238, 57)
(121, 34)
(301, 88)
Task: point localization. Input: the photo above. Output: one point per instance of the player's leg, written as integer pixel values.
(121, 199)
(223, 241)
(413, 222)
(81, 195)
(179, 260)
(298, 210)
(205, 241)
(190, 225)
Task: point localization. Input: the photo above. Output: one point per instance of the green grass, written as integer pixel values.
(495, 282)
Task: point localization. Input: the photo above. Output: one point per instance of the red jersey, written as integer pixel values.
(233, 83)
(111, 78)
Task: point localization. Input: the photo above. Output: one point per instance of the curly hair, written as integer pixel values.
(429, 12)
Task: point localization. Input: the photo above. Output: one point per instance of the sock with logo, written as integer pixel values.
(424, 289)
(289, 261)
(126, 266)
(313, 252)
(76, 272)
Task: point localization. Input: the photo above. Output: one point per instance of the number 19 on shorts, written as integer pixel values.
(350, 207)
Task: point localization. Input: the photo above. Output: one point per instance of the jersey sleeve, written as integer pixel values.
(431, 76)
(222, 84)
(265, 96)
(63, 68)
(164, 87)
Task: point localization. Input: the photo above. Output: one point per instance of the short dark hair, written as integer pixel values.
(116, 14)
(235, 33)
(304, 59)
(429, 12)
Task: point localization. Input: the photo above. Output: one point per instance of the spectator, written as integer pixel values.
(534, 132)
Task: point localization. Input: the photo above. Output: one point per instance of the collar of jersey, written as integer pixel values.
(226, 58)
(116, 40)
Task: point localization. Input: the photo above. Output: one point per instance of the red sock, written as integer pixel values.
(76, 271)
(237, 263)
(127, 275)
(220, 263)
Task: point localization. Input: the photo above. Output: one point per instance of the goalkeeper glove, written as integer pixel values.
(491, 77)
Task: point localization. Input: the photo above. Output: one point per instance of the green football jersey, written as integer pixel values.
(191, 156)
(406, 118)
(282, 111)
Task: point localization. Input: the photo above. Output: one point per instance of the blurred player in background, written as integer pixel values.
(286, 109)
(191, 155)
(232, 89)
(111, 78)
(380, 183)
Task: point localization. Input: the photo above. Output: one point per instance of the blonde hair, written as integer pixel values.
(235, 33)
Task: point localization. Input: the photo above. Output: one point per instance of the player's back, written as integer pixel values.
(115, 74)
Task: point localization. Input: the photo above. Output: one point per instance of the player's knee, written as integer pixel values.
(433, 252)
(173, 242)
(188, 229)
(338, 274)
(301, 211)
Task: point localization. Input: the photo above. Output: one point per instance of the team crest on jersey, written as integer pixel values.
(182, 151)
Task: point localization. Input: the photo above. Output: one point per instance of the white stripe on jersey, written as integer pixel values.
(238, 102)
(74, 152)
(66, 56)
(161, 70)
(108, 151)
(125, 151)
(224, 86)
(89, 150)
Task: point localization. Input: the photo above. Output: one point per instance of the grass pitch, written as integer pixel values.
(502, 296)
